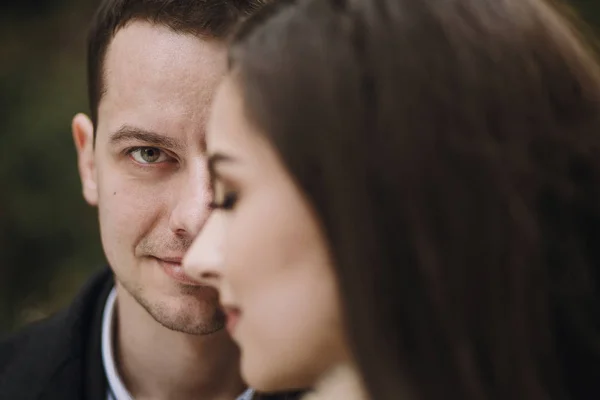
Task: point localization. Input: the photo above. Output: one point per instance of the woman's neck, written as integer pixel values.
(341, 382)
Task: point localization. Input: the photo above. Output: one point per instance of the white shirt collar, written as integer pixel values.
(116, 388)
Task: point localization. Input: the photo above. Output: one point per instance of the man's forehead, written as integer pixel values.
(151, 69)
(142, 46)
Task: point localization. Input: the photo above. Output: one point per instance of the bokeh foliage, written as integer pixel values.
(49, 238)
(49, 241)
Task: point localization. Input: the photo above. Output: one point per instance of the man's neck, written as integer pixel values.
(158, 363)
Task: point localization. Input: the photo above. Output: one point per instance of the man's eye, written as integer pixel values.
(148, 155)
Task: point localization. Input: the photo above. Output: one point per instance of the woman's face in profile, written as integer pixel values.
(263, 248)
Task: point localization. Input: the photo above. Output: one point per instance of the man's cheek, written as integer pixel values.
(121, 214)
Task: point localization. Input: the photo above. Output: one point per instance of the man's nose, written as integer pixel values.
(204, 260)
(191, 202)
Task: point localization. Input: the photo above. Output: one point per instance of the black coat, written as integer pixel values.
(60, 357)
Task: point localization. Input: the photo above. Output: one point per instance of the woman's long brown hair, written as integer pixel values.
(451, 149)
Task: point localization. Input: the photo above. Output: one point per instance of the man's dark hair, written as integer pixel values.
(204, 18)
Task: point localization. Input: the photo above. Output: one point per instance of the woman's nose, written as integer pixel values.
(204, 260)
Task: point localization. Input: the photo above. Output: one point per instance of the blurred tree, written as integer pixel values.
(48, 236)
(590, 10)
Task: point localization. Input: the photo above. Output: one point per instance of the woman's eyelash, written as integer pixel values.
(228, 202)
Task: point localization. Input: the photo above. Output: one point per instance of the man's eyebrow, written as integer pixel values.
(128, 132)
(215, 159)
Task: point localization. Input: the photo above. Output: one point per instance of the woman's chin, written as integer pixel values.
(275, 380)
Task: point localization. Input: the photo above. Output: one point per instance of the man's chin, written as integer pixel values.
(183, 325)
(193, 323)
(192, 313)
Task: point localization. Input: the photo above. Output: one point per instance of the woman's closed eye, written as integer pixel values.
(226, 202)
(223, 198)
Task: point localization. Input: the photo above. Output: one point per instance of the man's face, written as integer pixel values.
(147, 172)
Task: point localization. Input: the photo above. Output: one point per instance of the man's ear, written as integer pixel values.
(83, 136)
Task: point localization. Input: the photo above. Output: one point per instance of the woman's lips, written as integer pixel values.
(233, 315)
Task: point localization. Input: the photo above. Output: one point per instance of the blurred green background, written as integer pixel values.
(49, 241)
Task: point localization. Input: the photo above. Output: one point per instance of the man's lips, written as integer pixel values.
(172, 267)
(174, 259)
